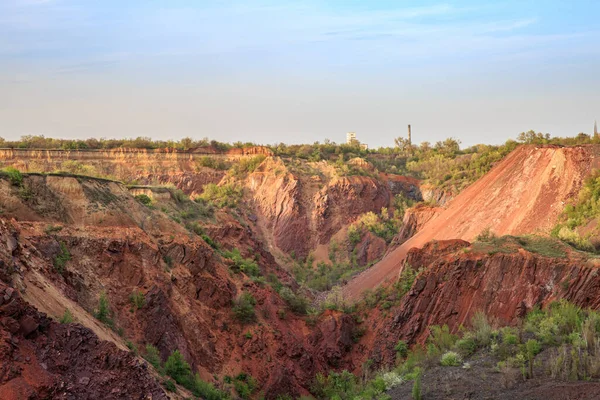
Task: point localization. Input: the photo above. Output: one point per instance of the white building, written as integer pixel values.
(351, 138)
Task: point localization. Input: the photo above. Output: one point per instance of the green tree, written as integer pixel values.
(177, 368)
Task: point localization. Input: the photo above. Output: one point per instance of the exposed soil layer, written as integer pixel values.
(523, 194)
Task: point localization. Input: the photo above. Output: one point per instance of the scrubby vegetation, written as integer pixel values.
(144, 199)
(247, 266)
(243, 308)
(345, 386)
(566, 335)
(103, 312)
(489, 243)
(381, 224)
(67, 317)
(246, 165)
(137, 300)
(61, 259)
(177, 368)
(324, 276)
(14, 176)
(579, 214)
(227, 195)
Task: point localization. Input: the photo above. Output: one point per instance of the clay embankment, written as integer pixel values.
(143, 166)
(523, 194)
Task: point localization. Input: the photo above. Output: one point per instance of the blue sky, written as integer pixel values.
(298, 71)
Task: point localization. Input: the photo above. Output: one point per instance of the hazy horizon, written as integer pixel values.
(298, 72)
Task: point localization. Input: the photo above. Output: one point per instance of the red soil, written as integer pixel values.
(523, 194)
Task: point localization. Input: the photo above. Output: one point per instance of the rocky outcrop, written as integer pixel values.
(414, 219)
(457, 281)
(434, 195)
(42, 359)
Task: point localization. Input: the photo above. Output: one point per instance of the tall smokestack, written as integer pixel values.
(409, 136)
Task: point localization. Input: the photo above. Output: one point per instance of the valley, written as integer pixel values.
(254, 273)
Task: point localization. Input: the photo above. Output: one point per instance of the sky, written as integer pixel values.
(299, 71)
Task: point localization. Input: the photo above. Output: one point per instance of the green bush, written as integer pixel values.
(416, 389)
(297, 303)
(103, 313)
(177, 368)
(246, 165)
(153, 357)
(466, 346)
(450, 359)
(482, 330)
(441, 337)
(137, 299)
(205, 390)
(406, 279)
(211, 162)
(67, 317)
(170, 386)
(50, 229)
(354, 235)
(144, 199)
(240, 264)
(401, 349)
(243, 309)
(14, 176)
(61, 259)
(244, 385)
(227, 195)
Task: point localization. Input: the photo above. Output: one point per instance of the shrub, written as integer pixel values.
(244, 385)
(131, 346)
(205, 390)
(153, 357)
(209, 241)
(14, 176)
(243, 309)
(416, 389)
(297, 303)
(241, 264)
(450, 359)
(227, 195)
(406, 279)
(391, 380)
(103, 311)
(177, 368)
(170, 386)
(144, 199)
(466, 346)
(211, 162)
(354, 235)
(401, 349)
(441, 337)
(137, 299)
(482, 329)
(246, 165)
(50, 229)
(61, 259)
(485, 235)
(67, 317)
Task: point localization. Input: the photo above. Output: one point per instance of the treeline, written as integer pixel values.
(42, 142)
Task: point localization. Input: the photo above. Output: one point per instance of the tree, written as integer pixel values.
(403, 144)
(177, 368)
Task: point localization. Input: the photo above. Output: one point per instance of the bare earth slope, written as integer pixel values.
(523, 194)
